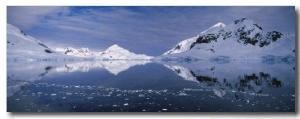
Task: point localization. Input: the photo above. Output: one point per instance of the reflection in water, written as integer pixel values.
(223, 78)
(192, 86)
(21, 73)
(114, 67)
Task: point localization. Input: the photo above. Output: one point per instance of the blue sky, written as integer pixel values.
(143, 30)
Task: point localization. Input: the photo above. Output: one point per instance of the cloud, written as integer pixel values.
(270, 17)
(27, 16)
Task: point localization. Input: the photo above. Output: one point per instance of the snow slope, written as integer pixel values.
(239, 40)
(19, 44)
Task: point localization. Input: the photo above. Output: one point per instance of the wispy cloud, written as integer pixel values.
(26, 16)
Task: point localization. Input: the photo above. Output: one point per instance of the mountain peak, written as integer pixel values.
(242, 20)
(219, 24)
(117, 52)
(115, 47)
(216, 26)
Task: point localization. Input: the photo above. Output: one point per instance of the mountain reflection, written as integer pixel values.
(232, 77)
(250, 78)
(112, 66)
(19, 74)
(119, 84)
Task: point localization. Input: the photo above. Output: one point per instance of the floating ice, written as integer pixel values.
(76, 86)
(182, 94)
(69, 93)
(89, 98)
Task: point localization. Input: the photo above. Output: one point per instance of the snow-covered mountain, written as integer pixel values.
(113, 52)
(243, 38)
(22, 46)
(82, 52)
(117, 52)
(214, 28)
(19, 44)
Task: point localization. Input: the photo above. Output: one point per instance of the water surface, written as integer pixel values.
(138, 86)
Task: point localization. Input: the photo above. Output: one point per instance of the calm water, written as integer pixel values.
(122, 86)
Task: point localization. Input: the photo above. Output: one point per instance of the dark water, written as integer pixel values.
(122, 86)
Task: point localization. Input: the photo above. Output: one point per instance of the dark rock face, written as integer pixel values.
(205, 39)
(177, 47)
(272, 36)
(246, 34)
(48, 51)
(22, 32)
(243, 31)
(68, 51)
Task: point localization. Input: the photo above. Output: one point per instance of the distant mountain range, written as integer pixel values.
(22, 46)
(242, 39)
